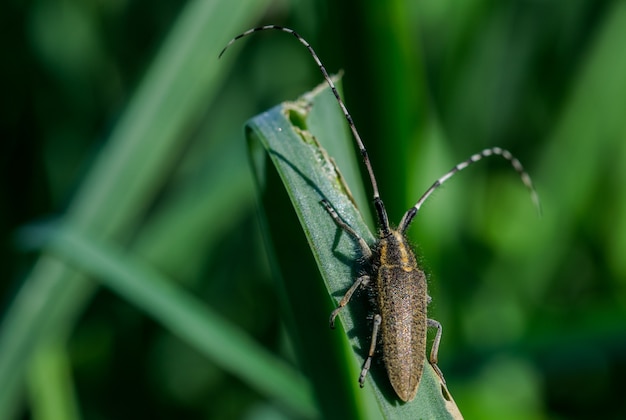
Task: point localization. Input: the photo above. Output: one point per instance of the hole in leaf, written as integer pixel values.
(445, 393)
(297, 119)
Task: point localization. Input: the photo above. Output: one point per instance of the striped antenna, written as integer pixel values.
(497, 151)
(378, 203)
(383, 220)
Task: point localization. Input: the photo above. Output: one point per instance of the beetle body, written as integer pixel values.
(402, 299)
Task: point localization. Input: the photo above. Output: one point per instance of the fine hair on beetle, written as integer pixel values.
(393, 276)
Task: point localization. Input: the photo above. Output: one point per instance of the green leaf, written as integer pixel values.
(184, 315)
(292, 135)
(51, 385)
(124, 180)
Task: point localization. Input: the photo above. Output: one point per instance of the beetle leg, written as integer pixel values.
(368, 362)
(434, 351)
(361, 281)
(366, 252)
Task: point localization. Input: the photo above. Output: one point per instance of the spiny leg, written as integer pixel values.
(497, 151)
(434, 350)
(378, 203)
(368, 362)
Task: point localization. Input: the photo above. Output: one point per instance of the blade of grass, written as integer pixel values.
(184, 315)
(183, 76)
(125, 178)
(50, 384)
(590, 130)
(178, 234)
(290, 140)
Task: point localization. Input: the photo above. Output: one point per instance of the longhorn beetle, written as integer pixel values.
(394, 277)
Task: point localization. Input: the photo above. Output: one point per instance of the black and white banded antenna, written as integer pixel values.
(380, 207)
(497, 151)
(383, 220)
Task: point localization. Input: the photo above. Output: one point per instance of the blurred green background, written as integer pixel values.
(120, 124)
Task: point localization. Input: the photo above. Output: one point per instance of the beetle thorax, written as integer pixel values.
(394, 251)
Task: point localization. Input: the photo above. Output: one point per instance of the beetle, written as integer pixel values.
(391, 272)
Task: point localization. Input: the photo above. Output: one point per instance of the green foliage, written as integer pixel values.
(119, 123)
